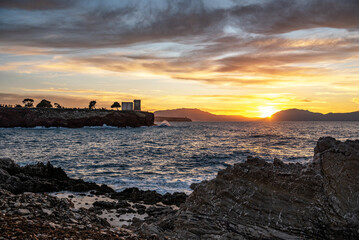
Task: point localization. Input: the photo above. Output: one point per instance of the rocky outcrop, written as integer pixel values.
(42, 178)
(261, 200)
(72, 118)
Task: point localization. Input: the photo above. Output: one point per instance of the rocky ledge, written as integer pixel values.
(28, 212)
(72, 118)
(262, 200)
(45, 178)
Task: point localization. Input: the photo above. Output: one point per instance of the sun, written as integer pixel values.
(267, 111)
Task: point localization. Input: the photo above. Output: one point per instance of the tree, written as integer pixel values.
(92, 104)
(44, 104)
(57, 105)
(116, 105)
(28, 102)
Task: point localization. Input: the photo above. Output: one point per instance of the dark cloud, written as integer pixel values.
(265, 56)
(36, 4)
(103, 25)
(280, 16)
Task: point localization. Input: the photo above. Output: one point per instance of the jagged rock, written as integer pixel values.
(261, 200)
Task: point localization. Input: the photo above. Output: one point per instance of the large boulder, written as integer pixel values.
(274, 200)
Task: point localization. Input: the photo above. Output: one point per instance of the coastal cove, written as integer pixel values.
(250, 200)
(166, 159)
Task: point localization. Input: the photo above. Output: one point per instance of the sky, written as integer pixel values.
(229, 57)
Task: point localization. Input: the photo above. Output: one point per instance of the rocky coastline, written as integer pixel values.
(250, 200)
(72, 118)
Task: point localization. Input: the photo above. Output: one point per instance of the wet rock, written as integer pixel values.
(42, 177)
(176, 198)
(261, 200)
(111, 205)
(149, 197)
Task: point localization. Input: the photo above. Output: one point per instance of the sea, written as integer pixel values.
(166, 158)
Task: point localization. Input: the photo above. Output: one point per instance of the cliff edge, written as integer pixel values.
(261, 200)
(72, 118)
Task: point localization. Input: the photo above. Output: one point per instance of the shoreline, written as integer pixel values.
(72, 206)
(250, 200)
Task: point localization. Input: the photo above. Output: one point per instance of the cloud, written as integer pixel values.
(192, 37)
(68, 97)
(280, 16)
(355, 100)
(36, 5)
(112, 24)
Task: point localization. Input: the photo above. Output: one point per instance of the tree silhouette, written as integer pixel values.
(116, 105)
(44, 104)
(92, 104)
(28, 102)
(57, 105)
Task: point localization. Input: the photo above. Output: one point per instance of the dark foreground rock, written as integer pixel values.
(40, 216)
(261, 200)
(150, 197)
(24, 214)
(41, 177)
(72, 118)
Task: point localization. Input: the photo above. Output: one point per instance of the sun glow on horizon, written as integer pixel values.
(267, 111)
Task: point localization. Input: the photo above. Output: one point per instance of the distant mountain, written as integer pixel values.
(305, 115)
(198, 115)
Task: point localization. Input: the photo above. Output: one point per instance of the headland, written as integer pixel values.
(72, 118)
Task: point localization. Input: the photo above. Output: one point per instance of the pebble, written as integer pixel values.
(47, 211)
(23, 211)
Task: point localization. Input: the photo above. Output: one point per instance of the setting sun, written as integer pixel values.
(267, 111)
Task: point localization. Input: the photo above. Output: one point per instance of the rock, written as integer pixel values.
(42, 177)
(22, 211)
(48, 217)
(149, 197)
(155, 211)
(261, 200)
(176, 198)
(4, 175)
(47, 211)
(139, 206)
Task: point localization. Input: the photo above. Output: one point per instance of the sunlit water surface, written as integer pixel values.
(166, 159)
